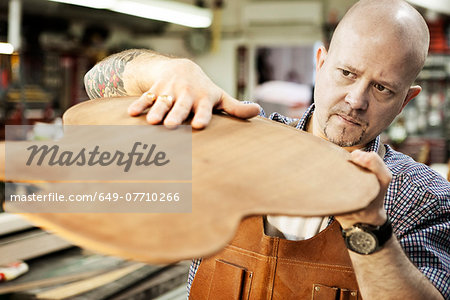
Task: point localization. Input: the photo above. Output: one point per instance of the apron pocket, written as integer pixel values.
(230, 282)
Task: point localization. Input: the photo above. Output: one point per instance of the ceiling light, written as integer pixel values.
(6, 48)
(99, 4)
(167, 11)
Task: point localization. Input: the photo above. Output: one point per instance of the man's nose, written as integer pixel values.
(357, 96)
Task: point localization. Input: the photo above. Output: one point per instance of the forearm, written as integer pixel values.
(389, 274)
(108, 77)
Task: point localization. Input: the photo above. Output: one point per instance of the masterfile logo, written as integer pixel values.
(100, 169)
(54, 156)
(103, 153)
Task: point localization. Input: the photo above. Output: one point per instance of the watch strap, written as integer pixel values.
(383, 232)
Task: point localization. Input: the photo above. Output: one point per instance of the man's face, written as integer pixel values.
(361, 85)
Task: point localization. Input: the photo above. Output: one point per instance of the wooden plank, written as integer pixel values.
(108, 290)
(12, 223)
(80, 287)
(29, 245)
(61, 267)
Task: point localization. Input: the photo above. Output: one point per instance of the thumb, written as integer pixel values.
(237, 108)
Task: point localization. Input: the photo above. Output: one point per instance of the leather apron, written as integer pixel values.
(256, 266)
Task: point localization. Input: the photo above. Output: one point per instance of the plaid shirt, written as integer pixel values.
(418, 204)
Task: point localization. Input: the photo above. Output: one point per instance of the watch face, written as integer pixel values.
(362, 242)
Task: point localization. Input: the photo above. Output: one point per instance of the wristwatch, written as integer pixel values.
(365, 238)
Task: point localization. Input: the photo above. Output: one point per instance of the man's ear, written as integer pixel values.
(321, 55)
(412, 93)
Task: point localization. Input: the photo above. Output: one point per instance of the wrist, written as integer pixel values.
(142, 71)
(376, 219)
(366, 238)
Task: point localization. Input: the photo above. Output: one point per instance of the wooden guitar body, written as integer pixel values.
(239, 168)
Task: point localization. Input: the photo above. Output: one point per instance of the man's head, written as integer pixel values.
(364, 79)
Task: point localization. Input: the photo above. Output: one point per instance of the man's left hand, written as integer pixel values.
(375, 213)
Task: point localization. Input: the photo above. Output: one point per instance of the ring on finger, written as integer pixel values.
(167, 99)
(149, 97)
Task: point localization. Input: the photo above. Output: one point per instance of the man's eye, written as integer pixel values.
(381, 88)
(345, 72)
(348, 75)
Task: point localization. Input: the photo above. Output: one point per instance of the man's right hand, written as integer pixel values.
(173, 88)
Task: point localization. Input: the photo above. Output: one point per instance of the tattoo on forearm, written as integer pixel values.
(106, 78)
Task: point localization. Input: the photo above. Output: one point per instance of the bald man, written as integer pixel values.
(363, 81)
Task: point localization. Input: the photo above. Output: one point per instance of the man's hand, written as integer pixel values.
(388, 273)
(173, 88)
(375, 213)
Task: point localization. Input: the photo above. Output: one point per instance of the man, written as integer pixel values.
(363, 82)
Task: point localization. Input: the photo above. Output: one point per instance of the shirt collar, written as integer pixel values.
(372, 146)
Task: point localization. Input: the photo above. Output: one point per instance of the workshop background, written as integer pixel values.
(254, 49)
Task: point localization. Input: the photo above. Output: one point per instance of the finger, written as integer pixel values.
(203, 114)
(180, 110)
(141, 104)
(373, 162)
(159, 109)
(238, 108)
